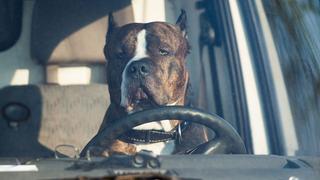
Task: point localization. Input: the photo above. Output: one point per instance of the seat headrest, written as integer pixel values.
(73, 31)
(10, 22)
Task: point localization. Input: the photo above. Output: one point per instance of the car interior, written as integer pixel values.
(60, 114)
(62, 35)
(54, 95)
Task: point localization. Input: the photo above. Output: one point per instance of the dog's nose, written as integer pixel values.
(137, 68)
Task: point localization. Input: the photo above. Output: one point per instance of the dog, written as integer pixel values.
(146, 68)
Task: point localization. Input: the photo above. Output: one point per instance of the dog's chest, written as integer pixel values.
(161, 147)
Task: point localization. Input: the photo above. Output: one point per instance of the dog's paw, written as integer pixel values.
(120, 147)
(117, 147)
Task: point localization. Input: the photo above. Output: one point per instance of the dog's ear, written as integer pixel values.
(182, 22)
(111, 24)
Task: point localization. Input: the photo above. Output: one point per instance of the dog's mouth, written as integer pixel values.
(139, 99)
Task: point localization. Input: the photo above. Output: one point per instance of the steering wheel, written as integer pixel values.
(226, 141)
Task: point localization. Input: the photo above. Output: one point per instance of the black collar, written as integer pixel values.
(135, 136)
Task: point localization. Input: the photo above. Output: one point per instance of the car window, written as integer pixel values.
(295, 27)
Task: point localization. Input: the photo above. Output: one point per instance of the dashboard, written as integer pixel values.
(144, 165)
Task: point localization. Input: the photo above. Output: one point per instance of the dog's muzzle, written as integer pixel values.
(134, 93)
(138, 69)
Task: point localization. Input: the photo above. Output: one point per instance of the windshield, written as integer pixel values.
(68, 70)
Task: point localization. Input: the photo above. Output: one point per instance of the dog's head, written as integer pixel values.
(146, 63)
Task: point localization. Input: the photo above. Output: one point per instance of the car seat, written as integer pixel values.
(35, 119)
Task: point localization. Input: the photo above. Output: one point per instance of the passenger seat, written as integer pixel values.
(35, 119)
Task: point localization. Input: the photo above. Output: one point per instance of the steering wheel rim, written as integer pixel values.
(227, 140)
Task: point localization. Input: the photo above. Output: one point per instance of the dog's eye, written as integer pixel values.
(163, 52)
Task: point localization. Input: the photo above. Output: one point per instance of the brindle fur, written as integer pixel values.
(168, 81)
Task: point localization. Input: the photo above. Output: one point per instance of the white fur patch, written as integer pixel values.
(141, 46)
(140, 52)
(160, 125)
(163, 148)
(174, 103)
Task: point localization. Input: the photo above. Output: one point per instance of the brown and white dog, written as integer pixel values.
(146, 68)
